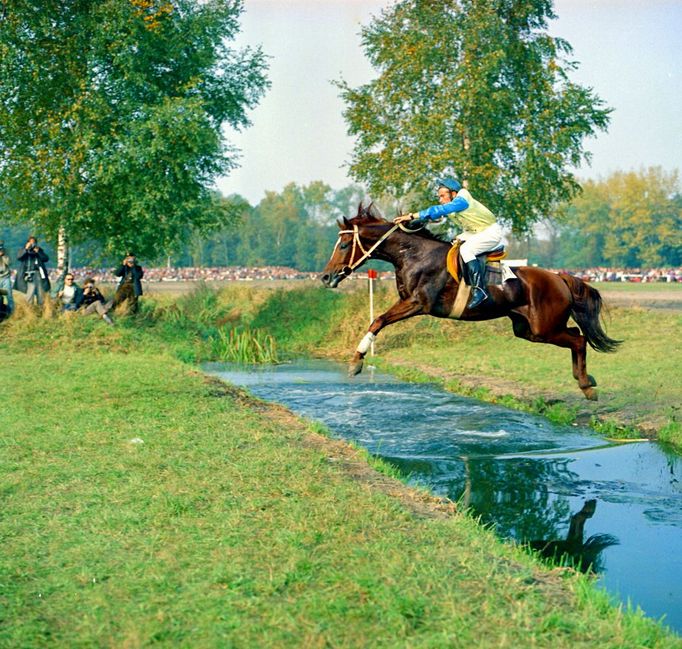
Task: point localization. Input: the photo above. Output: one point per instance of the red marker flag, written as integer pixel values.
(371, 274)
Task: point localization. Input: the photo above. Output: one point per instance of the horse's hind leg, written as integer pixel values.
(580, 360)
(573, 339)
(567, 337)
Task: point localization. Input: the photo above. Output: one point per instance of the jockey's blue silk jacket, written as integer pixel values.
(465, 210)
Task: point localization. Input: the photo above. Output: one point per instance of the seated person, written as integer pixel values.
(93, 301)
(70, 296)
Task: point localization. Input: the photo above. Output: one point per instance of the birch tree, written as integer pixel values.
(112, 116)
(476, 88)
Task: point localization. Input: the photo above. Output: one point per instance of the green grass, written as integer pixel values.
(143, 504)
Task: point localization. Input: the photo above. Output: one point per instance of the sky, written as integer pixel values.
(629, 52)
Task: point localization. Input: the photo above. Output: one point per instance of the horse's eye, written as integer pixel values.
(343, 246)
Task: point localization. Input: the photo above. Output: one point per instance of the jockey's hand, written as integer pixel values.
(403, 218)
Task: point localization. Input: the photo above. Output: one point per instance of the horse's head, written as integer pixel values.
(356, 237)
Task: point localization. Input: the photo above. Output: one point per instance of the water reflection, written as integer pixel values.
(531, 481)
(574, 550)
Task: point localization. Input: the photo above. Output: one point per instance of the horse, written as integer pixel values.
(538, 302)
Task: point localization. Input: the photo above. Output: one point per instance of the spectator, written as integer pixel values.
(130, 286)
(6, 301)
(32, 277)
(94, 302)
(70, 296)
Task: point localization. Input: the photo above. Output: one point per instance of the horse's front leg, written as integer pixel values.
(399, 311)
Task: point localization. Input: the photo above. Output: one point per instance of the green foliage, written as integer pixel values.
(295, 228)
(112, 114)
(477, 88)
(627, 220)
(630, 219)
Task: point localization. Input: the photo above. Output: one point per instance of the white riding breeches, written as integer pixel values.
(483, 241)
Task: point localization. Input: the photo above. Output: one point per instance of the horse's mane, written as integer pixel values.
(371, 215)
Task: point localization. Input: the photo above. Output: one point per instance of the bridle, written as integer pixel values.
(357, 244)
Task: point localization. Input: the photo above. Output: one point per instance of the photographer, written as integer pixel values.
(32, 277)
(130, 287)
(93, 301)
(6, 301)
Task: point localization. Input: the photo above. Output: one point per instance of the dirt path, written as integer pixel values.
(653, 299)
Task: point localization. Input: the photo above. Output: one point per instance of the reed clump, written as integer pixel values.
(244, 346)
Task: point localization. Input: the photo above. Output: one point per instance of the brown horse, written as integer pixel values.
(538, 302)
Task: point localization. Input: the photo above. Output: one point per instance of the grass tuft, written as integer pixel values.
(244, 346)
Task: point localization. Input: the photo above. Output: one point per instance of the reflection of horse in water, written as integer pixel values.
(538, 302)
(579, 554)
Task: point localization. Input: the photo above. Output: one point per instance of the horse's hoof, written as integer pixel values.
(590, 394)
(592, 380)
(355, 368)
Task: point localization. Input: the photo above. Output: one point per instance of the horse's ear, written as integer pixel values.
(361, 209)
(345, 225)
(374, 211)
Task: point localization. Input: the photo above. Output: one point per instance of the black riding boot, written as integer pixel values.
(476, 277)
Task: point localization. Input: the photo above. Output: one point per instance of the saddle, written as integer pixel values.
(491, 259)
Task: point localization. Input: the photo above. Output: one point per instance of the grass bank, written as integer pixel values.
(144, 504)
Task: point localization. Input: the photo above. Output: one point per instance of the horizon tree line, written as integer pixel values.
(629, 220)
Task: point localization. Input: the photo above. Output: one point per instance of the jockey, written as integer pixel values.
(481, 231)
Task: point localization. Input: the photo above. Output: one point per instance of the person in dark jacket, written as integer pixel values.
(130, 287)
(94, 302)
(32, 277)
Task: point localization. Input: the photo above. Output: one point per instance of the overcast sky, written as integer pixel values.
(630, 52)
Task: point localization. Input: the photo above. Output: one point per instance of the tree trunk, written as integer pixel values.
(63, 260)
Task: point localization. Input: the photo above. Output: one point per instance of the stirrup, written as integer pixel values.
(478, 296)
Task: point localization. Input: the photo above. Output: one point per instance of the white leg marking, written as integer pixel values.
(366, 342)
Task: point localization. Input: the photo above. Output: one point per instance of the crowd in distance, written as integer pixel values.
(231, 273)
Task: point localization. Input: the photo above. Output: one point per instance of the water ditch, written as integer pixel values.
(562, 489)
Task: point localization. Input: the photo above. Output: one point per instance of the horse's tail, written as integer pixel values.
(586, 311)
